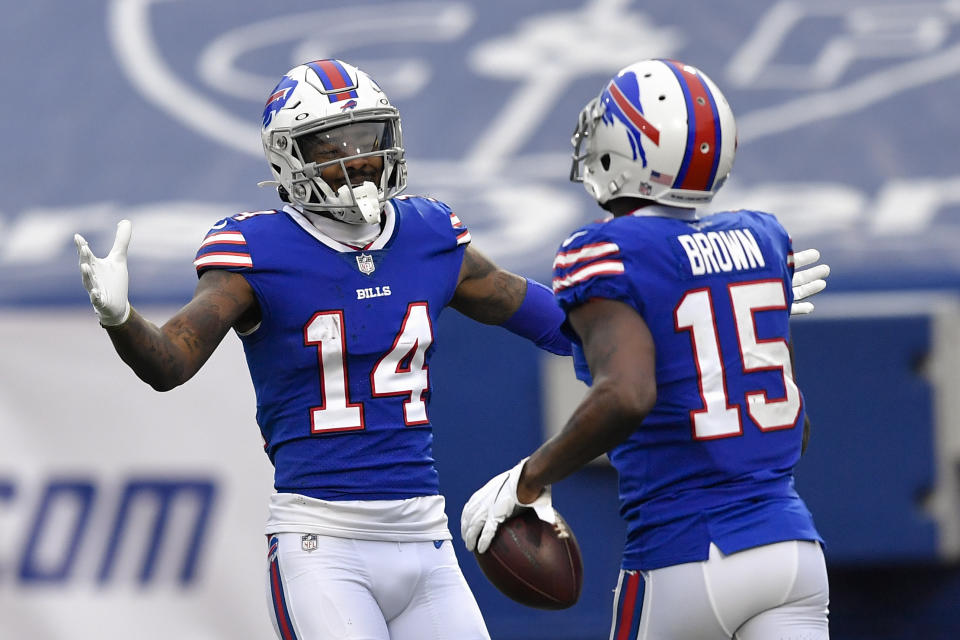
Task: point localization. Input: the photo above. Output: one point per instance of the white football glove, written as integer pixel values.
(493, 503)
(105, 279)
(807, 282)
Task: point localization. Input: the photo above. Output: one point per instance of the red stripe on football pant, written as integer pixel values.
(629, 602)
(278, 607)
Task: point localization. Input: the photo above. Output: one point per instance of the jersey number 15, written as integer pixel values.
(718, 418)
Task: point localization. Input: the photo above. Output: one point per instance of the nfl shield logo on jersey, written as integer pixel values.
(308, 542)
(365, 263)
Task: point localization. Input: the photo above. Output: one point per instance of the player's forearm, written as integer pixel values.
(603, 420)
(491, 298)
(150, 352)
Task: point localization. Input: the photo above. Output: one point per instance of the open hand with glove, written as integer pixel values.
(106, 279)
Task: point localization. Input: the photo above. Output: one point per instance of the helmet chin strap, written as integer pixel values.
(367, 200)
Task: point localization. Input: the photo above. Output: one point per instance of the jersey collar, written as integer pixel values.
(664, 211)
(325, 230)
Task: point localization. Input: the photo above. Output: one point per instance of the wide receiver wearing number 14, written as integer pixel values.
(683, 322)
(335, 298)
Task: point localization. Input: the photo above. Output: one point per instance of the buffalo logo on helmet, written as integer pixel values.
(621, 99)
(278, 98)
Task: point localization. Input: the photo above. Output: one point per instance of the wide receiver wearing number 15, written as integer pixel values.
(683, 322)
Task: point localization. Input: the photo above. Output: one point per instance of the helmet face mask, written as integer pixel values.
(586, 122)
(334, 142)
(348, 154)
(660, 130)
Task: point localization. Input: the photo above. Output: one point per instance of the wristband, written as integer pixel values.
(540, 320)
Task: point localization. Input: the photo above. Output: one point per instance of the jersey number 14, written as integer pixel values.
(400, 372)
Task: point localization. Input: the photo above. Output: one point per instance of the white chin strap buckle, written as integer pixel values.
(367, 199)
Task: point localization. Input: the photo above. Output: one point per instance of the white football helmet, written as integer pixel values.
(333, 141)
(659, 130)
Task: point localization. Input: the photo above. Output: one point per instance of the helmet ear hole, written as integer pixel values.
(605, 161)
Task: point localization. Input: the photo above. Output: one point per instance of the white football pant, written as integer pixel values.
(326, 588)
(774, 592)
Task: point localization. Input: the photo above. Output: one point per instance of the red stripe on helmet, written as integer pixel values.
(337, 81)
(277, 95)
(701, 120)
(633, 115)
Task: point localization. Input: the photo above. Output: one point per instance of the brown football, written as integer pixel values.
(534, 562)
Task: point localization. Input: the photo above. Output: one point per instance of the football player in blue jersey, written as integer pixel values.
(336, 297)
(682, 320)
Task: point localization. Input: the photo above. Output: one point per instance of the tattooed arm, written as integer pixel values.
(485, 292)
(620, 351)
(490, 295)
(165, 357)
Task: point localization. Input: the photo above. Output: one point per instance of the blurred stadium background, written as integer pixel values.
(127, 513)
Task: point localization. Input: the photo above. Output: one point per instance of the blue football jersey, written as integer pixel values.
(713, 460)
(340, 359)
